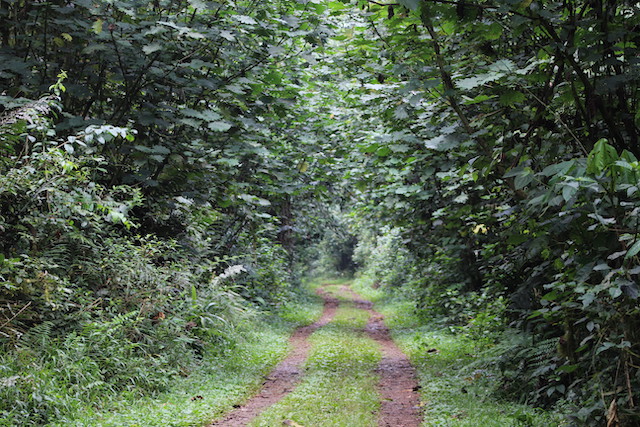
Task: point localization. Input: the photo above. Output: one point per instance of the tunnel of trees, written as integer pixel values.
(478, 157)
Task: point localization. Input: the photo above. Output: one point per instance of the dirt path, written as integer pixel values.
(398, 384)
(284, 376)
(397, 387)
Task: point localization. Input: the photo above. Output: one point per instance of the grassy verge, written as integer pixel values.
(457, 383)
(208, 392)
(339, 388)
(219, 384)
(209, 388)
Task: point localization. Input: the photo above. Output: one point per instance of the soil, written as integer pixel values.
(285, 376)
(398, 384)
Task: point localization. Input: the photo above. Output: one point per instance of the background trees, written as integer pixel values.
(149, 165)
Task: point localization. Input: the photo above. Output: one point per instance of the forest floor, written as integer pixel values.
(395, 381)
(340, 368)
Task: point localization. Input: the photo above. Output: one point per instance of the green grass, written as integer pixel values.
(222, 382)
(349, 318)
(330, 284)
(456, 394)
(364, 287)
(208, 392)
(457, 384)
(302, 311)
(339, 386)
(210, 389)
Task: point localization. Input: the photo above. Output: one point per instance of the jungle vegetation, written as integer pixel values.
(170, 170)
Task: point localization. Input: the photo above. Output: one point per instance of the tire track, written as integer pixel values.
(286, 375)
(398, 386)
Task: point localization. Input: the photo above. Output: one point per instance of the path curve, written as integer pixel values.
(398, 386)
(285, 376)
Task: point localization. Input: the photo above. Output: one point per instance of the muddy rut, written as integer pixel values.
(397, 387)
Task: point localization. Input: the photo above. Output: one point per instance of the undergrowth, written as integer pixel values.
(212, 389)
(78, 380)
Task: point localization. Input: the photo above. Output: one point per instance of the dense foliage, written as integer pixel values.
(167, 166)
(498, 140)
(147, 175)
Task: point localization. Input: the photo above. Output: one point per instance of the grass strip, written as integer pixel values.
(339, 388)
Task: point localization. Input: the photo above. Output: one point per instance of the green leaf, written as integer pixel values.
(492, 31)
(150, 48)
(191, 122)
(601, 157)
(219, 126)
(159, 149)
(383, 151)
(568, 368)
(615, 292)
(633, 250)
(227, 35)
(198, 4)
(516, 239)
(273, 77)
(442, 142)
(229, 161)
(523, 176)
(97, 26)
(93, 48)
(569, 189)
(401, 113)
(480, 79)
(143, 149)
(558, 169)
(471, 82)
(410, 4)
(399, 148)
(303, 167)
(511, 97)
(587, 299)
(478, 99)
(371, 148)
(245, 19)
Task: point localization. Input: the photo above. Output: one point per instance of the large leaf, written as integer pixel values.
(601, 157)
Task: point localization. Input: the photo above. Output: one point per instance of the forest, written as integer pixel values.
(177, 177)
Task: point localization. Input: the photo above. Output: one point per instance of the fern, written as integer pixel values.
(37, 338)
(526, 366)
(540, 356)
(91, 329)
